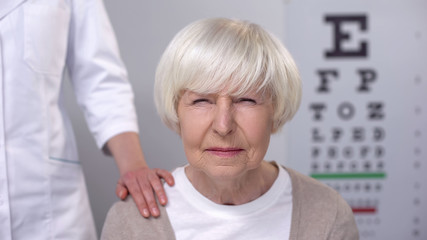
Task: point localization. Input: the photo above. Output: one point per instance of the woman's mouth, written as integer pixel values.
(224, 152)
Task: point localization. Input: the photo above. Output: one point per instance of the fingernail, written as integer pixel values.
(146, 213)
(163, 201)
(155, 211)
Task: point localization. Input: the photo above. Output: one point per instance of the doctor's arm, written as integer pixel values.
(135, 176)
(104, 93)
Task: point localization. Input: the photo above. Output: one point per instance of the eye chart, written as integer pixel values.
(362, 124)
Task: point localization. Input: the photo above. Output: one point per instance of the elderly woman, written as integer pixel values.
(225, 86)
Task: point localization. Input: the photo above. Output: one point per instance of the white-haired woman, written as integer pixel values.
(225, 86)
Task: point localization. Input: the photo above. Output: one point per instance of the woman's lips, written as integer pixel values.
(224, 152)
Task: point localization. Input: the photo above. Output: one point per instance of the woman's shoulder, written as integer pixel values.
(124, 221)
(308, 191)
(303, 185)
(320, 210)
(126, 211)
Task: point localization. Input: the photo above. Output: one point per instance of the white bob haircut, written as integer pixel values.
(211, 55)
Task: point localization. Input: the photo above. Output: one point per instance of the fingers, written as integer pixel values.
(157, 185)
(121, 190)
(147, 192)
(140, 184)
(132, 183)
(167, 176)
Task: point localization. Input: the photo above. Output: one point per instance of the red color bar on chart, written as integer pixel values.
(364, 210)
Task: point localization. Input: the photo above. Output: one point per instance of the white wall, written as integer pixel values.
(143, 29)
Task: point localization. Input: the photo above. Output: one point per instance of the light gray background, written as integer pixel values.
(143, 30)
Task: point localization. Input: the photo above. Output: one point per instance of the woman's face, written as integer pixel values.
(225, 136)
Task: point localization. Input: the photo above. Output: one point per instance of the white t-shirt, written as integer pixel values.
(193, 216)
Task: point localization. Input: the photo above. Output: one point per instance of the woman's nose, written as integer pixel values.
(223, 123)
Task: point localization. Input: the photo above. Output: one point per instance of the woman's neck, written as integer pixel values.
(236, 191)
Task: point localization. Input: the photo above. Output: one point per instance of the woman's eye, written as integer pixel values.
(246, 100)
(200, 100)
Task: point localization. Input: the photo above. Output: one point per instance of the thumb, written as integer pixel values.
(121, 191)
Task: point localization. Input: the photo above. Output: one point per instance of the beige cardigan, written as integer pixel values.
(318, 212)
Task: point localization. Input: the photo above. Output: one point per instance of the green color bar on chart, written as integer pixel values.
(347, 175)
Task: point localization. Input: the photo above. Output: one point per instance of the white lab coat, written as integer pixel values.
(42, 188)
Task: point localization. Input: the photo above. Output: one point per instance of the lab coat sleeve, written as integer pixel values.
(98, 74)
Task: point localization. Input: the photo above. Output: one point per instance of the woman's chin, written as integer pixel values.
(226, 172)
